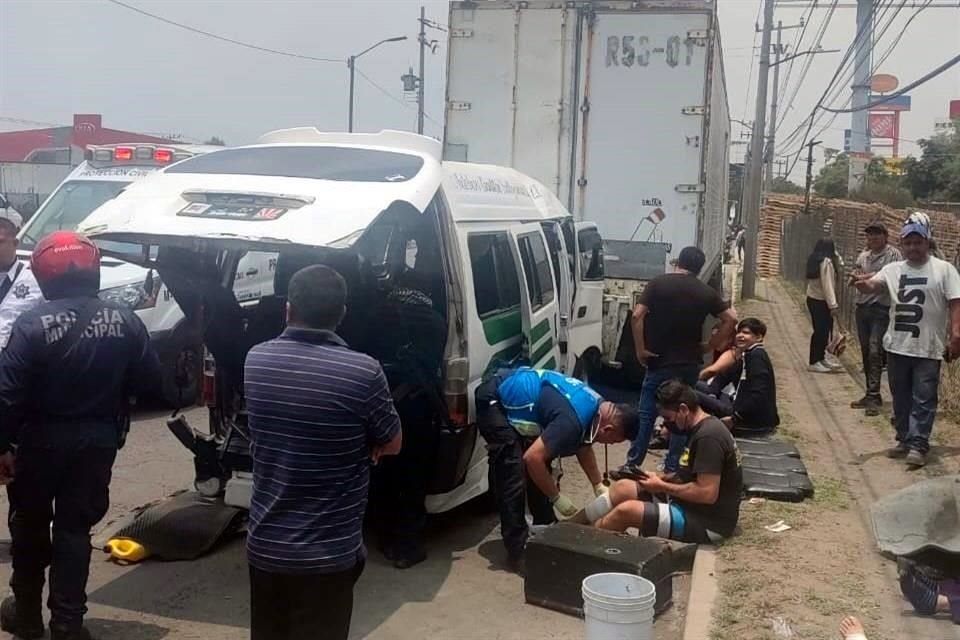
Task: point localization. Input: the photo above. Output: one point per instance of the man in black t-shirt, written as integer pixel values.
(703, 502)
(668, 336)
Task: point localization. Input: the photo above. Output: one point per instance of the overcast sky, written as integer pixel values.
(60, 57)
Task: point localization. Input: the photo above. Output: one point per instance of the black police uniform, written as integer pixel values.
(410, 343)
(66, 410)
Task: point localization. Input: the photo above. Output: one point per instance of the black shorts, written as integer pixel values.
(670, 520)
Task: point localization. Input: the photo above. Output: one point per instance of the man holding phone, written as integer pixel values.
(702, 504)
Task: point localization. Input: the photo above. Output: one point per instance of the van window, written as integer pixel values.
(69, 205)
(496, 285)
(552, 232)
(321, 163)
(591, 254)
(536, 266)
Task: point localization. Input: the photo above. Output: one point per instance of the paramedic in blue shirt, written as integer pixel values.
(529, 418)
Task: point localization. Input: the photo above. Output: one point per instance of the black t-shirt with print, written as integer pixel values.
(711, 449)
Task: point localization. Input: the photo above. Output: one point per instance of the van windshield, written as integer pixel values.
(69, 205)
(321, 163)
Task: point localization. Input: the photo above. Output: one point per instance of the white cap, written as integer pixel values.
(13, 216)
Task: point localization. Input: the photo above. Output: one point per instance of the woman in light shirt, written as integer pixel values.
(822, 267)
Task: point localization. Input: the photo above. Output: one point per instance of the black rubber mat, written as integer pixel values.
(560, 556)
(786, 486)
(182, 527)
(767, 447)
(773, 469)
(783, 464)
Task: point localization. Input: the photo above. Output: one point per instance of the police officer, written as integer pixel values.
(66, 376)
(529, 418)
(19, 290)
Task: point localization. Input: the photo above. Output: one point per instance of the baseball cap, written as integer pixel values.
(915, 227)
(15, 218)
(691, 259)
(875, 227)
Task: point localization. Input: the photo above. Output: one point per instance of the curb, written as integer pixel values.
(703, 593)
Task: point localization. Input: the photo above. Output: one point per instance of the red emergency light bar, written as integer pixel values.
(140, 154)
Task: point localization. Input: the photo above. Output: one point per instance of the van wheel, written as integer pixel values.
(181, 374)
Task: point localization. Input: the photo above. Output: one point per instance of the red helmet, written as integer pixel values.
(67, 257)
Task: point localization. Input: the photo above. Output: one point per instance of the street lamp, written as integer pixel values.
(352, 63)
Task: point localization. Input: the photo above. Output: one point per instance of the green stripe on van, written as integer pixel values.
(551, 363)
(539, 331)
(541, 352)
(502, 326)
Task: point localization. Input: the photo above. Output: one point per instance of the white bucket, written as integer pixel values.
(618, 606)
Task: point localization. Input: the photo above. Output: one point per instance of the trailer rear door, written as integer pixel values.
(644, 94)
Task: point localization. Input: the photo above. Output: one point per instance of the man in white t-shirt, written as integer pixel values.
(923, 289)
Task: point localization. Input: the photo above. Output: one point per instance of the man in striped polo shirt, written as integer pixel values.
(319, 414)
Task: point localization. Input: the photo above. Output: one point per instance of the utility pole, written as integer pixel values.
(806, 198)
(859, 137)
(772, 129)
(351, 64)
(752, 208)
(422, 39)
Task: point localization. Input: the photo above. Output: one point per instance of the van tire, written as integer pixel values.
(185, 356)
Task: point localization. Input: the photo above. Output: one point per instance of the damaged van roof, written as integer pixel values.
(310, 189)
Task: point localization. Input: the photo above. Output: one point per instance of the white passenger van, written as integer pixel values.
(514, 277)
(106, 171)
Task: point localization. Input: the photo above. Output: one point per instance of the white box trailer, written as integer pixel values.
(619, 106)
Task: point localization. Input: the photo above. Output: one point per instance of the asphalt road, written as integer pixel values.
(460, 593)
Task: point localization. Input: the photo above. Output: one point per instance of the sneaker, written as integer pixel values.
(899, 451)
(833, 365)
(820, 367)
(916, 459)
(15, 625)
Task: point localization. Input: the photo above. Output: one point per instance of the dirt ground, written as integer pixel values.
(460, 593)
(800, 583)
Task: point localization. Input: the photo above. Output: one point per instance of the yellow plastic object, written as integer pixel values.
(126, 550)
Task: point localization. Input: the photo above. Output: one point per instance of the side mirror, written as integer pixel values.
(3, 201)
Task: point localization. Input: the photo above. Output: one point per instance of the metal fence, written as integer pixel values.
(799, 235)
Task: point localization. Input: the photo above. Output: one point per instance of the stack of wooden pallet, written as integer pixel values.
(844, 221)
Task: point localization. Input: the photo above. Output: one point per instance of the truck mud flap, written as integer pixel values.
(182, 527)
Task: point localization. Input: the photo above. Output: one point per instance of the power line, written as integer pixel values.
(387, 93)
(796, 47)
(896, 94)
(864, 31)
(821, 31)
(239, 43)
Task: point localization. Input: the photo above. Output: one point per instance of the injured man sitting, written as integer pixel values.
(701, 502)
(740, 386)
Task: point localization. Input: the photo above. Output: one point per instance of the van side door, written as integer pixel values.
(586, 322)
(539, 307)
